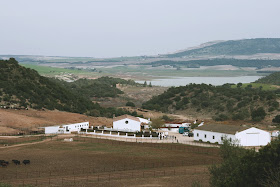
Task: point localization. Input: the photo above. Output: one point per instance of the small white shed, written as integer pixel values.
(127, 123)
(244, 136)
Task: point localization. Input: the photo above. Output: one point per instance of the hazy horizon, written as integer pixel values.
(124, 28)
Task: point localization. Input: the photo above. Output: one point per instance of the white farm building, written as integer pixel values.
(129, 123)
(66, 129)
(243, 136)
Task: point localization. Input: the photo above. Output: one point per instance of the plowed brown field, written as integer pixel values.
(97, 162)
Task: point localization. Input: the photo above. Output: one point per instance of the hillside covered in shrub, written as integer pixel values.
(223, 102)
(101, 87)
(273, 79)
(235, 47)
(22, 87)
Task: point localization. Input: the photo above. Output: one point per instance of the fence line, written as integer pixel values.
(93, 170)
(99, 178)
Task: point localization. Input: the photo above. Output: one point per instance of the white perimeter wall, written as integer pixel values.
(51, 130)
(212, 137)
(171, 129)
(253, 137)
(71, 128)
(130, 126)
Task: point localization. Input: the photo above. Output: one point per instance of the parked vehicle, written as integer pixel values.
(182, 130)
(186, 134)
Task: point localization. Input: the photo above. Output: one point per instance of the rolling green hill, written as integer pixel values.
(222, 102)
(235, 47)
(22, 87)
(273, 79)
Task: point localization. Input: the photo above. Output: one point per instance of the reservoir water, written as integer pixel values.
(182, 81)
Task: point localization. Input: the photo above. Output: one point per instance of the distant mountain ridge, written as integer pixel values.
(234, 47)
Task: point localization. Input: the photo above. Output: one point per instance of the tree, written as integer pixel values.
(276, 119)
(157, 123)
(166, 118)
(150, 85)
(145, 84)
(129, 103)
(239, 85)
(243, 167)
(258, 115)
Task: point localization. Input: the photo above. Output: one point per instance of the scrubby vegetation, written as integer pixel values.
(273, 78)
(245, 167)
(224, 102)
(276, 119)
(23, 87)
(101, 87)
(235, 47)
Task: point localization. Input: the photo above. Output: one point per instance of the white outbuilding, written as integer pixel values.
(67, 129)
(243, 136)
(129, 123)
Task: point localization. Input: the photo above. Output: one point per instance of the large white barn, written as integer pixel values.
(243, 136)
(66, 129)
(129, 123)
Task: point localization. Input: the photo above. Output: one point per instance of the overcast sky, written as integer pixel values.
(110, 28)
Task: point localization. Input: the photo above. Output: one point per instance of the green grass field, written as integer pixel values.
(51, 71)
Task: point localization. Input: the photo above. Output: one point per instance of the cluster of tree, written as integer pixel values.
(273, 78)
(246, 167)
(224, 102)
(219, 61)
(235, 47)
(145, 84)
(26, 88)
(101, 87)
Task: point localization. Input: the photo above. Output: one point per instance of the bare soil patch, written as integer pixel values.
(14, 121)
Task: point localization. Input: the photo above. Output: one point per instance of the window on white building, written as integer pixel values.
(213, 137)
(126, 122)
(205, 136)
(222, 138)
(197, 134)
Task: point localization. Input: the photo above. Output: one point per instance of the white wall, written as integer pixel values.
(212, 137)
(169, 130)
(131, 125)
(177, 124)
(253, 137)
(51, 130)
(63, 129)
(249, 137)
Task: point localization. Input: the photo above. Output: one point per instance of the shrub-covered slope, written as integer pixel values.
(273, 78)
(223, 102)
(101, 87)
(24, 87)
(235, 47)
